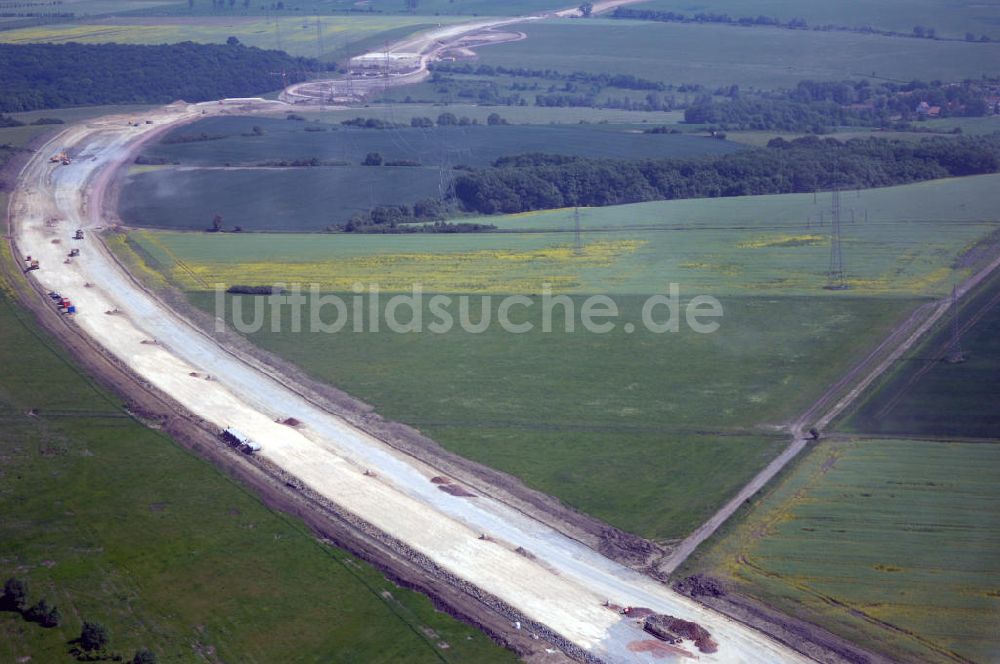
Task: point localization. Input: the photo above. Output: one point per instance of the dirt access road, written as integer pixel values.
(561, 585)
(405, 62)
(831, 404)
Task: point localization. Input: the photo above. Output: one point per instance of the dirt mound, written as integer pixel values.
(623, 546)
(440, 480)
(672, 630)
(700, 585)
(638, 612)
(521, 551)
(291, 422)
(456, 490)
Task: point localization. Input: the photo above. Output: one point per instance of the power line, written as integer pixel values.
(277, 34)
(955, 354)
(836, 279)
(578, 249)
(350, 76)
(319, 38)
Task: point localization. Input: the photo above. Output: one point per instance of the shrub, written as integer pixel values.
(93, 636)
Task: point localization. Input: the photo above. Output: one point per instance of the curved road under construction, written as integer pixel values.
(562, 585)
(554, 583)
(405, 62)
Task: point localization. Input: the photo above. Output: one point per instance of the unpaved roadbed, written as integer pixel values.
(562, 588)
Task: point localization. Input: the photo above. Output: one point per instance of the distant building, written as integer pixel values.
(925, 110)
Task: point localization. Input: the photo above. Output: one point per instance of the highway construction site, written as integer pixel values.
(406, 62)
(543, 582)
(548, 582)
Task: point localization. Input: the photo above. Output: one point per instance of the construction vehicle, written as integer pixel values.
(74, 252)
(78, 235)
(30, 264)
(240, 440)
(60, 158)
(67, 307)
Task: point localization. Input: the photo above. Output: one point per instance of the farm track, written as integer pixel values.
(832, 403)
(939, 355)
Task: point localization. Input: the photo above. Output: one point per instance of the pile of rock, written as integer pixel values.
(674, 630)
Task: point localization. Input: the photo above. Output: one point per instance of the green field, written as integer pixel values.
(435, 8)
(460, 7)
(513, 114)
(377, 8)
(84, 8)
(113, 522)
(262, 199)
(469, 145)
(928, 395)
(296, 35)
(950, 19)
(714, 55)
(581, 415)
(919, 239)
(315, 198)
(648, 432)
(525, 92)
(889, 543)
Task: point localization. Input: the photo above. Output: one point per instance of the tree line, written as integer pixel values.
(783, 114)
(425, 216)
(816, 106)
(810, 106)
(576, 89)
(623, 81)
(37, 76)
(539, 182)
(918, 31)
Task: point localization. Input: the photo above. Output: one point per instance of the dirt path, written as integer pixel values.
(558, 590)
(830, 404)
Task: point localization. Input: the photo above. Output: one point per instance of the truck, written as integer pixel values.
(74, 252)
(78, 235)
(240, 440)
(60, 158)
(30, 264)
